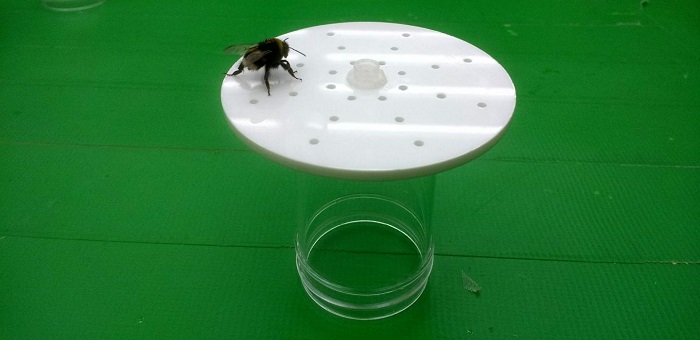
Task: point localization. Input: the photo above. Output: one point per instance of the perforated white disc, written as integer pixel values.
(444, 103)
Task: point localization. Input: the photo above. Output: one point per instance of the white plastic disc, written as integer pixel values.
(444, 103)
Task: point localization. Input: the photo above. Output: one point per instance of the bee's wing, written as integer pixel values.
(254, 56)
(238, 49)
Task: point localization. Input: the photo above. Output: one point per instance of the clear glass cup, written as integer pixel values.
(71, 5)
(364, 248)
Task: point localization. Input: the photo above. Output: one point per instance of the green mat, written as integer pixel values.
(128, 208)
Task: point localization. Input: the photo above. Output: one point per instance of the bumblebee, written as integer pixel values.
(268, 54)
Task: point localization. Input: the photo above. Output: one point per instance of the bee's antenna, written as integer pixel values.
(298, 51)
(285, 40)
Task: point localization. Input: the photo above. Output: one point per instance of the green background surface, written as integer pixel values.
(128, 208)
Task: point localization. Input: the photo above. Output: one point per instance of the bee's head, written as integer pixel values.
(285, 49)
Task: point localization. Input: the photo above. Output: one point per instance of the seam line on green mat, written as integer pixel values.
(124, 146)
(483, 159)
(287, 246)
(672, 262)
(56, 238)
(576, 162)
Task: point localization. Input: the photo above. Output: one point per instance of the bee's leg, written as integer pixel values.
(267, 75)
(285, 65)
(237, 72)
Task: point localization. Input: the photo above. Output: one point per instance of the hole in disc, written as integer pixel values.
(418, 143)
(481, 105)
(394, 48)
(467, 60)
(406, 35)
(435, 67)
(399, 119)
(334, 118)
(441, 95)
(382, 63)
(332, 72)
(293, 94)
(253, 101)
(313, 141)
(402, 73)
(352, 98)
(330, 34)
(382, 98)
(330, 86)
(341, 47)
(403, 87)
(300, 65)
